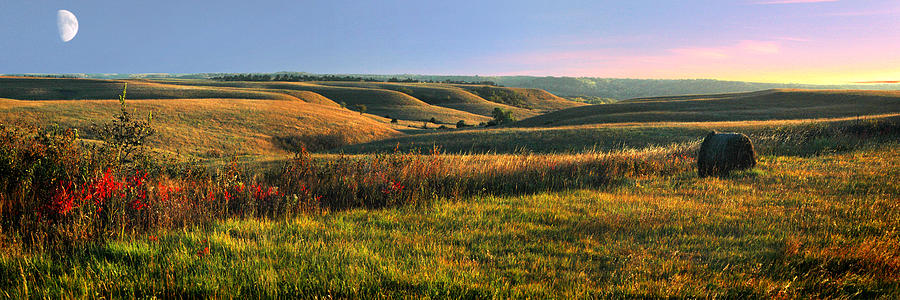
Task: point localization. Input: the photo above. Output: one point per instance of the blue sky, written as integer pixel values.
(812, 41)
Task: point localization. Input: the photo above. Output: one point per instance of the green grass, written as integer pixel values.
(822, 226)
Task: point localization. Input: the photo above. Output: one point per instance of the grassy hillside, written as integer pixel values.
(378, 101)
(595, 137)
(520, 97)
(445, 95)
(767, 105)
(214, 127)
(226, 121)
(92, 89)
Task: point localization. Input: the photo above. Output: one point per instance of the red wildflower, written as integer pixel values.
(205, 251)
(63, 200)
(138, 204)
(392, 187)
(162, 192)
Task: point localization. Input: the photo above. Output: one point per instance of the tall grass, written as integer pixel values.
(820, 138)
(414, 179)
(56, 191)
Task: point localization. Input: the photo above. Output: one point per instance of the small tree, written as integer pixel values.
(362, 108)
(502, 116)
(433, 120)
(461, 124)
(126, 136)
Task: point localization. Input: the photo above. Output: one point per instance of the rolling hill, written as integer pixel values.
(196, 121)
(444, 95)
(94, 89)
(779, 104)
(645, 122)
(378, 101)
(534, 99)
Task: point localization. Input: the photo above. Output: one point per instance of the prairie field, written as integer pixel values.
(292, 189)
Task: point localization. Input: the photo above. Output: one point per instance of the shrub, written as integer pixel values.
(502, 116)
(125, 136)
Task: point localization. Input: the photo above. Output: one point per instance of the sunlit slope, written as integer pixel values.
(766, 105)
(213, 127)
(82, 89)
(534, 99)
(444, 95)
(599, 137)
(378, 101)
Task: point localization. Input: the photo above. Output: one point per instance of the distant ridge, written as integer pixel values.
(616, 88)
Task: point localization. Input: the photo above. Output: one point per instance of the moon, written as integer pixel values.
(67, 24)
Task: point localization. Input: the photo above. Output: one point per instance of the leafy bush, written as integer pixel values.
(501, 117)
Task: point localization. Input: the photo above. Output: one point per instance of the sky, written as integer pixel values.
(785, 41)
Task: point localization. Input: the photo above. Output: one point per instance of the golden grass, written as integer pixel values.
(210, 127)
(536, 99)
(94, 89)
(445, 95)
(599, 137)
(378, 101)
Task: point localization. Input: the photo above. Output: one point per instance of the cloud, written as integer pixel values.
(744, 47)
(867, 13)
(880, 81)
(793, 39)
(714, 53)
(762, 47)
(794, 1)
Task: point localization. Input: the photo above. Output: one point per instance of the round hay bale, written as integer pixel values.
(722, 152)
